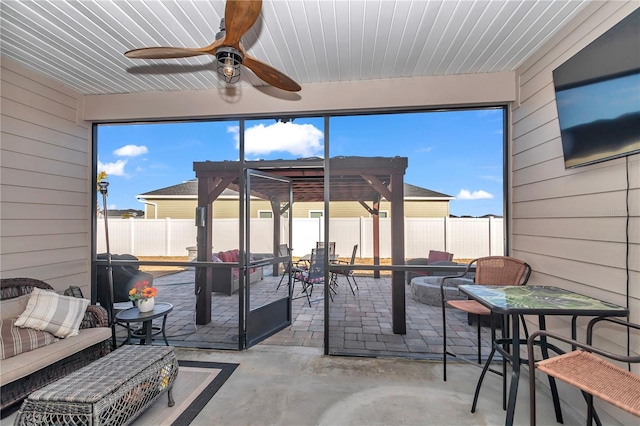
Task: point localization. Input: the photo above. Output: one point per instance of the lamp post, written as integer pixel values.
(103, 185)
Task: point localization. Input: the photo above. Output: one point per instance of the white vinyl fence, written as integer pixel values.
(466, 238)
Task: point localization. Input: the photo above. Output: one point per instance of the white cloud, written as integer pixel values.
(113, 169)
(300, 140)
(424, 149)
(465, 194)
(491, 178)
(131, 151)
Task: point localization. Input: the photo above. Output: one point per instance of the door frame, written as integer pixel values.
(263, 321)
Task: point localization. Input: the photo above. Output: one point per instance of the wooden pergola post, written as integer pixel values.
(376, 236)
(275, 211)
(398, 299)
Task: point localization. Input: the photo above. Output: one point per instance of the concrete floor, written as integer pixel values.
(287, 380)
(289, 385)
(276, 385)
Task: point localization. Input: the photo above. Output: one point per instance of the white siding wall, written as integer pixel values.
(570, 224)
(44, 181)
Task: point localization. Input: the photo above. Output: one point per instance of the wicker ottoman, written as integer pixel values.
(113, 390)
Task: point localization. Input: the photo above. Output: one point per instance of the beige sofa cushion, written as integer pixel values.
(26, 363)
(12, 308)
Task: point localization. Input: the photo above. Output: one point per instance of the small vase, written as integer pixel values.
(146, 305)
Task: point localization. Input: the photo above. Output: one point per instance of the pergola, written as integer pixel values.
(363, 179)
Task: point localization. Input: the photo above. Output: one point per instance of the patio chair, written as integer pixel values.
(348, 274)
(311, 276)
(491, 270)
(434, 256)
(332, 247)
(581, 368)
(283, 250)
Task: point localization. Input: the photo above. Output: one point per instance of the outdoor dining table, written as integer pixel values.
(307, 257)
(514, 301)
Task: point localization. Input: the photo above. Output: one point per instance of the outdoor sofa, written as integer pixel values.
(52, 358)
(226, 280)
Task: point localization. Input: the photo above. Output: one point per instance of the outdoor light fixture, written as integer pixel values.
(229, 61)
(103, 185)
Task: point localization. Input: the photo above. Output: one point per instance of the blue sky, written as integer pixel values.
(459, 153)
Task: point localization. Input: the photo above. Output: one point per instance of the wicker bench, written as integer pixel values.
(593, 375)
(113, 390)
(22, 374)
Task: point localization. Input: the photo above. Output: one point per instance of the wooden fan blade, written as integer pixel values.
(239, 16)
(164, 52)
(270, 75)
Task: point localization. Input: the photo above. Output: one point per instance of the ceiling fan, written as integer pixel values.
(239, 17)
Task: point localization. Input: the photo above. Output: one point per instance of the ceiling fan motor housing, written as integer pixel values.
(220, 34)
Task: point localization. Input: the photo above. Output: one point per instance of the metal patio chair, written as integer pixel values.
(348, 274)
(311, 276)
(283, 250)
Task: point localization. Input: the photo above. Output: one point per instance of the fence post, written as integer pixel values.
(490, 239)
(446, 226)
(360, 237)
(132, 235)
(167, 249)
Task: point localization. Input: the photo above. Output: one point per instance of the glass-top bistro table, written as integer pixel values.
(534, 300)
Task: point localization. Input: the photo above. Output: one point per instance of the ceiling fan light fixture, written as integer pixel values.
(229, 61)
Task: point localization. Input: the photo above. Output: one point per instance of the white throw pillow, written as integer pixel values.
(52, 312)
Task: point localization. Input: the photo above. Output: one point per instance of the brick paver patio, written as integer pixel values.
(359, 325)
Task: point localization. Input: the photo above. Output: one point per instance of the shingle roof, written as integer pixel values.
(189, 189)
(412, 191)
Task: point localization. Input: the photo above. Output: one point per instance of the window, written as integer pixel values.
(383, 213)
(314, 214)
(268, 214)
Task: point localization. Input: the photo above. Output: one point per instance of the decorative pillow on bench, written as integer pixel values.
(12, 308)
(52, 312)
(15, 340)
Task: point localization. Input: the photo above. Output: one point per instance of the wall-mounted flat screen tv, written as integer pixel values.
(598, 97)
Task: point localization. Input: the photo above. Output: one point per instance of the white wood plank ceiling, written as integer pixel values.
(81, 43)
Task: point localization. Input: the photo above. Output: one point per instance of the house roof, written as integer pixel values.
(189, 190)
(82, 44)
(416, 192)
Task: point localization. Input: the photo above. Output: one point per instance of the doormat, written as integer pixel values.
(196, 384)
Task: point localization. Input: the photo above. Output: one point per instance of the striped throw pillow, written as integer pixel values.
(16, 340)
(52, 312)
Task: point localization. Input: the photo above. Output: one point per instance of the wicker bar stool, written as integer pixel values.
(593, 375)
(491, 270)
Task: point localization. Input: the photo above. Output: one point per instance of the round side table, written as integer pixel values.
(146, 332)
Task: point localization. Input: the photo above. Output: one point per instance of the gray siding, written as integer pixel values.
(570, 224)
(44, 181)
